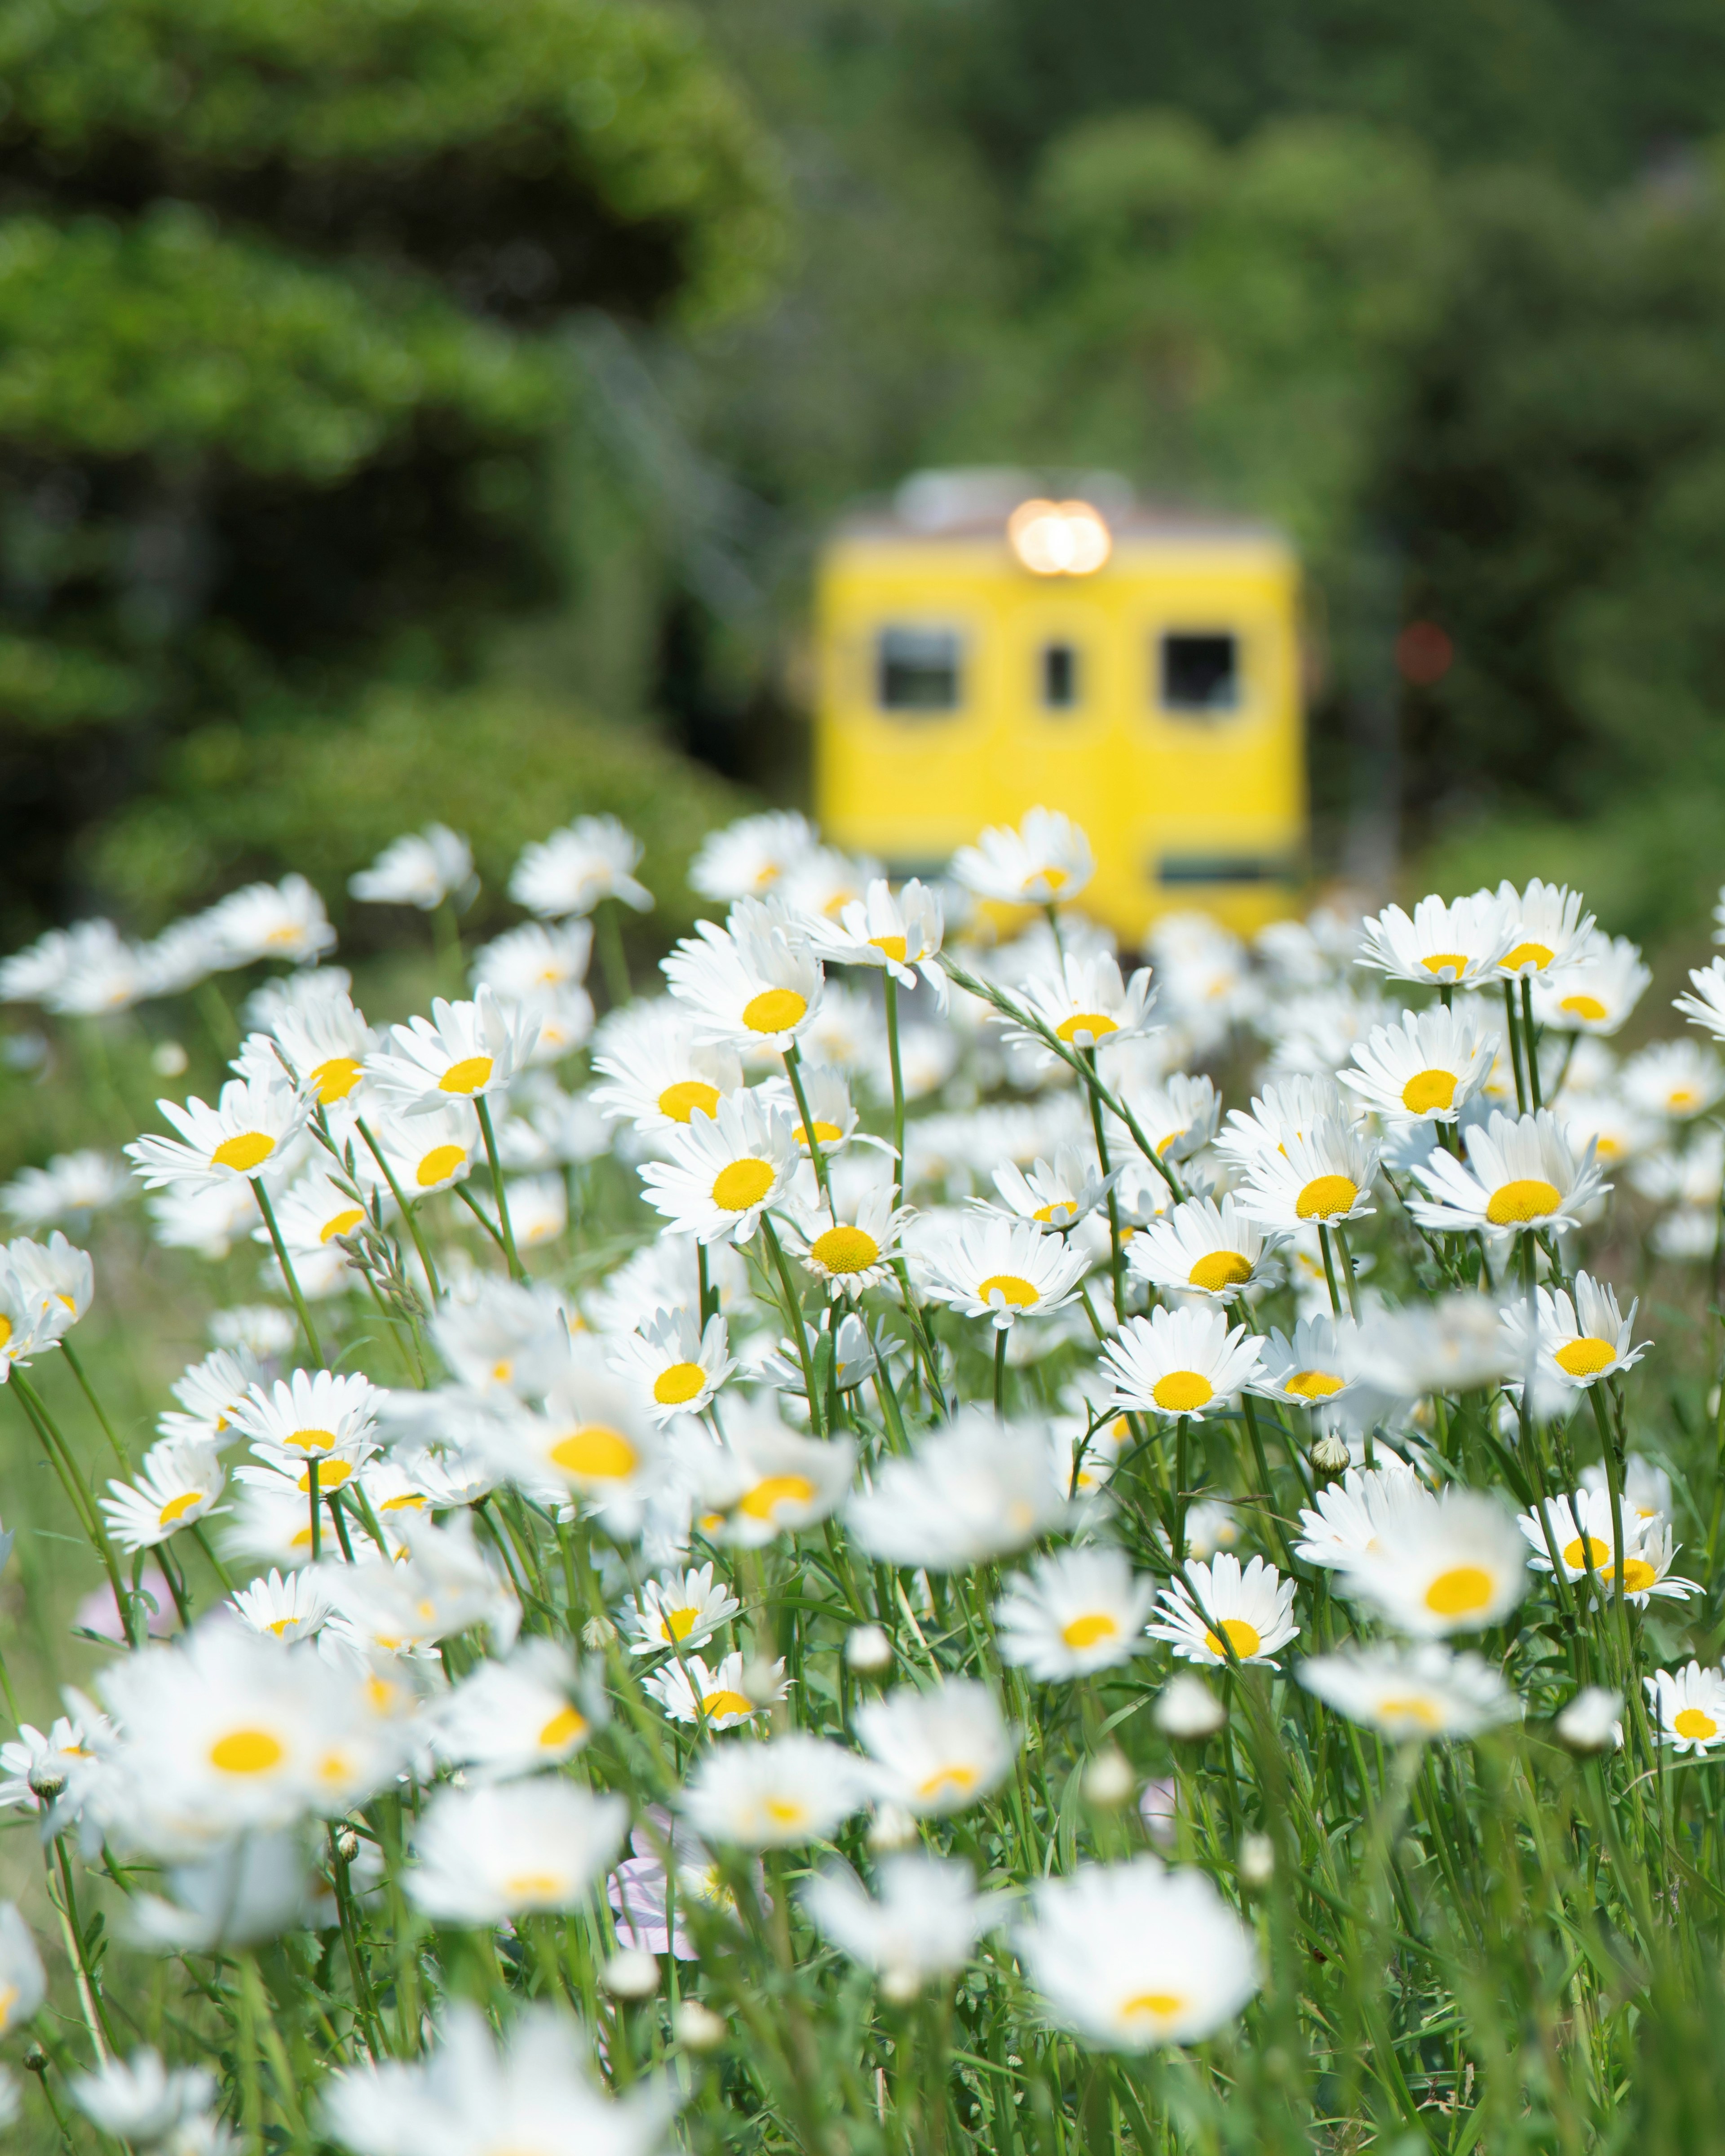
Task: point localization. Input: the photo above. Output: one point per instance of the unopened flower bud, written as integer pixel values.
(1330, 1456)
(346, 1843)
(46, 1780)
(1108, 1780)
(867, 1648)
(1257, 1861)
(35, 2060)
(698, 2028)
(598, 1632)
(632, 1972)
(1187, 1709)
(892, 1828)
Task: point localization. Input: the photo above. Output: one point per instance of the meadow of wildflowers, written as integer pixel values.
(920, 1541)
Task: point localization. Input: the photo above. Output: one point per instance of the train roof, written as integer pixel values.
(971, 505)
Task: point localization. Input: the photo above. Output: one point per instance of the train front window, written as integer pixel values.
(1200, 671)
(919, 669)
(1058, 672)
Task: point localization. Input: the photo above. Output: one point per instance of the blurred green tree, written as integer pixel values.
(282, 384)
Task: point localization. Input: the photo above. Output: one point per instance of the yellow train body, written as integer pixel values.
(1155, 700)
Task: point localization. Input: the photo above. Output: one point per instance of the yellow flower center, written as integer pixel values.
(177, 1508)
(774, 1010)
(1181, 1391)
(785, 1811)
(1681, 1097)
(1536, 954)
(1095, 1024)
(338, 1223)
(1585, 1007)
(1638, 1575)
(467, 1076)
(332, 1474)
(743, 1184)
(828, 1133)
(680, 1382)
(439, 1164)
(247, 1752)
(945, 1780)
(1020, 1293)
(1585, 1549)
(564, 1728)
(595, 1454)
(1326, 1196)
(1056, 1215)
(1455, 961)
(1691, 1721)
(1086, 1631)
(1527, 1199)
(892, 946)
(679, 1102)
(680, 1623)
(533, 1886)
(1420, 1712)
(1219, 1270)
(249, 1150)
(5, 1330)
(1585, 1357)
(1313, 1385)
(772, 1490)
(727, 1702)
(1427, 1090)
(1463, 1591)
(309, 1440)
(1055, 879)
(336, 1077)
(1244, 1638)
(845, 1250)
(1152, 2006)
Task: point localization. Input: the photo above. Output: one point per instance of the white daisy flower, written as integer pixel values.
(1426, 1069)
(1179, 1116)
(427, 1151)
(938, 1750)
(1323, 1174)
(1289, 1107)
(679, 1610)
(1520, 1173)
(1461, 942)
(974, 1490)
(271, 921)
(1646, 1486)
(748, 857)
(422, 869)
(855, 1250)
(315, 1413)
(1073, 1612)
(1545, 925)
(208, 1393)
(679, 1363)
(288, 1608)
(57, 1276)
(926, 1923)
(1706, 1008)
(754, 984)
(764, 1479)
(1579, 1528)
(1677, 1079)
(72, 1185)
(533, 960)
(1088, 1004)
(773, 1795)
(716, 1698)
(723, 1170)
(1415, 1692)
(1131, 1956)
(37, 973)
(1345, 1518)
(313, 1213)
(509, 1849)
(1579, 1341)
(247, 1133)
(830, 1111)
(323, 1041)
(1689, 1705)
(820, 886)
(1201, 1248)
(141, 2100)
(1450, 1344)
(897, 933)
(1591, 1721)
(1002, 1269)
(591, 860)
(660, 1075)
(1055, 1195)
(1180, 1362)
(1252, 1611)
(37, 1769)
(1453, 1563)
(1595, 991)
(1647, 1555)
(515, 1717)
(176, 1485)
(1313, 1368)
(464, 1051)
(538, 1209)
(1046, 861)
(589, 1442)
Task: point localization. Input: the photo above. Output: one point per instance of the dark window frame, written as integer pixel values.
(907, 664)
(1049, 655)
(1209, 657)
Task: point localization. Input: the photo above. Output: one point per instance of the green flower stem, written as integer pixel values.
(517, 1271)
(480, 1214)
(1323, 1244)
(317, 1510)
(216, 1565)
(84, 1504)
(65, 1907)
(898, 1090)
(708, 1293)
(793, 1317)
(1000, 1335)
(1116, 1247)
(1348, 1281)
(286, 1263)
(817, 1151)
(77, 1369)
(405, 1208)
(1515, 1045)
(613, 960)
(1530, 1043)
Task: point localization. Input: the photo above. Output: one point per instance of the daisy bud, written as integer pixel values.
(1188, 1710)
(1257, 1861)
(698, 2028)
(598, 1632)
(1329, 1456)
(867, 1648)
(892, 1828)
(631, 1974)
(1108, 1780)
(47, 1780)
(346, 1843)
(168, 1060)
(1589, 1722)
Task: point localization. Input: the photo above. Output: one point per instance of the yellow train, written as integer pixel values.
(984, 647)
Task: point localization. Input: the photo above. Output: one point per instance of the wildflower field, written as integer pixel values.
(913, 1540)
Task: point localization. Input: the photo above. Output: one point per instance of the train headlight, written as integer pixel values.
(1059, 538)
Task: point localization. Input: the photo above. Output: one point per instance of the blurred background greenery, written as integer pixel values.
(416, 407)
